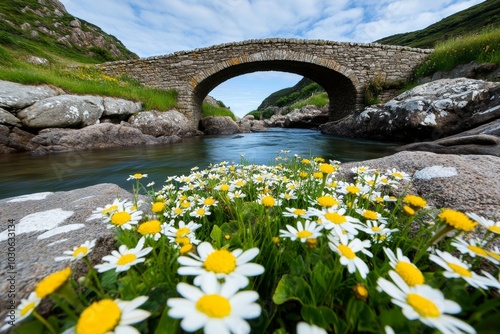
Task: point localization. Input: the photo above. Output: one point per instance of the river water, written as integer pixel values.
(24, 173)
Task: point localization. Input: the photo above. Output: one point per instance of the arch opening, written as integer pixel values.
(341, 91)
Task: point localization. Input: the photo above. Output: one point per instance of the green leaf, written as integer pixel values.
(32, 327)
(167, 325)
(293, 288)
(319, 277)
(216, 236)
(109, 279)
(297, 265)
(321, 316)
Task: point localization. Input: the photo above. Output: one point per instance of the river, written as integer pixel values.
(25, 173)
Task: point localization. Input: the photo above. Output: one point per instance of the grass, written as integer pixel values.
(211, 110)
(319, 100)
(294, 242)
(484, 47)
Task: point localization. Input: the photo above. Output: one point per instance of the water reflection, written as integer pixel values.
(24, 173)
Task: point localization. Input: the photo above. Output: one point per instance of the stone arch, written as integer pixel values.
(342, 86)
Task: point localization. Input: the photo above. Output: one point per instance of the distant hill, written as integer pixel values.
(469, 21)
(45, 29)
(485, 15)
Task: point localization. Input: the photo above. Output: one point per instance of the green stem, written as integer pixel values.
(44, 322)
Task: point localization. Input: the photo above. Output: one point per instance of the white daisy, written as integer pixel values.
(379, 232)
(124, 258)
(126, 216)
(424, 303)
(347, 251)
(404, 267)
(456, 268)
(221, 262)
(217, 308)
(473, 247)
(106, 211)
(111, 316)
(137, 176)
(78, 252)
(310, 230)
(371, 216)
(488, 224)
(398, 175)
(296, 213)
(178, 235)
(338, 221)
(200, 212)
(23, 310)
(305, 328)
(235, 194)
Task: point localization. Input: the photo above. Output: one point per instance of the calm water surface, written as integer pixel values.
(23, 173)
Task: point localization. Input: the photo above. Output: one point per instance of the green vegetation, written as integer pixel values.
(272, 99)
(208, 109)
(319, 100)
(473, 20)
(483, 47)
(262, 114)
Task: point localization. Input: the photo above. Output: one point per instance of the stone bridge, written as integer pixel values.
(342, 69)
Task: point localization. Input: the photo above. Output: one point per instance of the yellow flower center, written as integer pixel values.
(137, 176)
(494, 255)
(186, 249)
(27, 309)
(347, 252)
(353, 189)
(158, 207)
(306, 161)
(299, 212)
(415, 201)
(408, 210)
(318, 175)
(335, 218)
(120, 218)
(376, 228)
(214, 306)
(126, 259)
(220, 262)
(177, 211)
(462, 271)
(327, 201)
(360, 291)
(409, 273)
(303, 175)
(209, 201)
(224, 187)
(99, 318)
(185, 204)
(494, 229)
(423, 306)
(52, 282)
(397, 175)
(200, 212)
(369, 214)
(326, 168)
(182, 240)
(80, 250)
(268, 201)
(477, 250)
(304, 234)
(149, 227)
(457, 219)
(109, 209)
(182, 231)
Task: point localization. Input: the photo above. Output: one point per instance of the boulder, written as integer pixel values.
(46, 225)
(250, 124)
(114, 107)
(162, 123)
(427, 112)
(468, 183)
(95, 137)
(15, 96)
(307, 117)
(71, 111)
(7, 118)
(219, 125)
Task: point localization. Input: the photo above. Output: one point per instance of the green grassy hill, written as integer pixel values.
(485, 15)
(28, 28)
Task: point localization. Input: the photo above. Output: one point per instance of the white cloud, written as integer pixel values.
(158, 27)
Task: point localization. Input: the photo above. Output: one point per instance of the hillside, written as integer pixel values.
(45, 29)
(485, 15)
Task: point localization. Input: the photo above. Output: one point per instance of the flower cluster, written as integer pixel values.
(303, 246)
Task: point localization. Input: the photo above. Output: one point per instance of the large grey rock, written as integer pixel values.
(427, 112)
(250, 124)
(7, 118)
(95, 136)
(219, 125)
(120, 107)
(162, 123)
(307, 117)
(15, 96)
(72, 111)
(468, 183)
(46, 225)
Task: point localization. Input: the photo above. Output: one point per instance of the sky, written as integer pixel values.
(160, 27)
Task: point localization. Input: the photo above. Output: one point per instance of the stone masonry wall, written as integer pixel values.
(188, 70)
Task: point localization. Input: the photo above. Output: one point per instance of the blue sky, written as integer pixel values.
(159, 27)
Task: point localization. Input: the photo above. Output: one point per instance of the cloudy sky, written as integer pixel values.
(158, 27)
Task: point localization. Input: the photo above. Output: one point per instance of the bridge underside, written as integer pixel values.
(344, 96)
